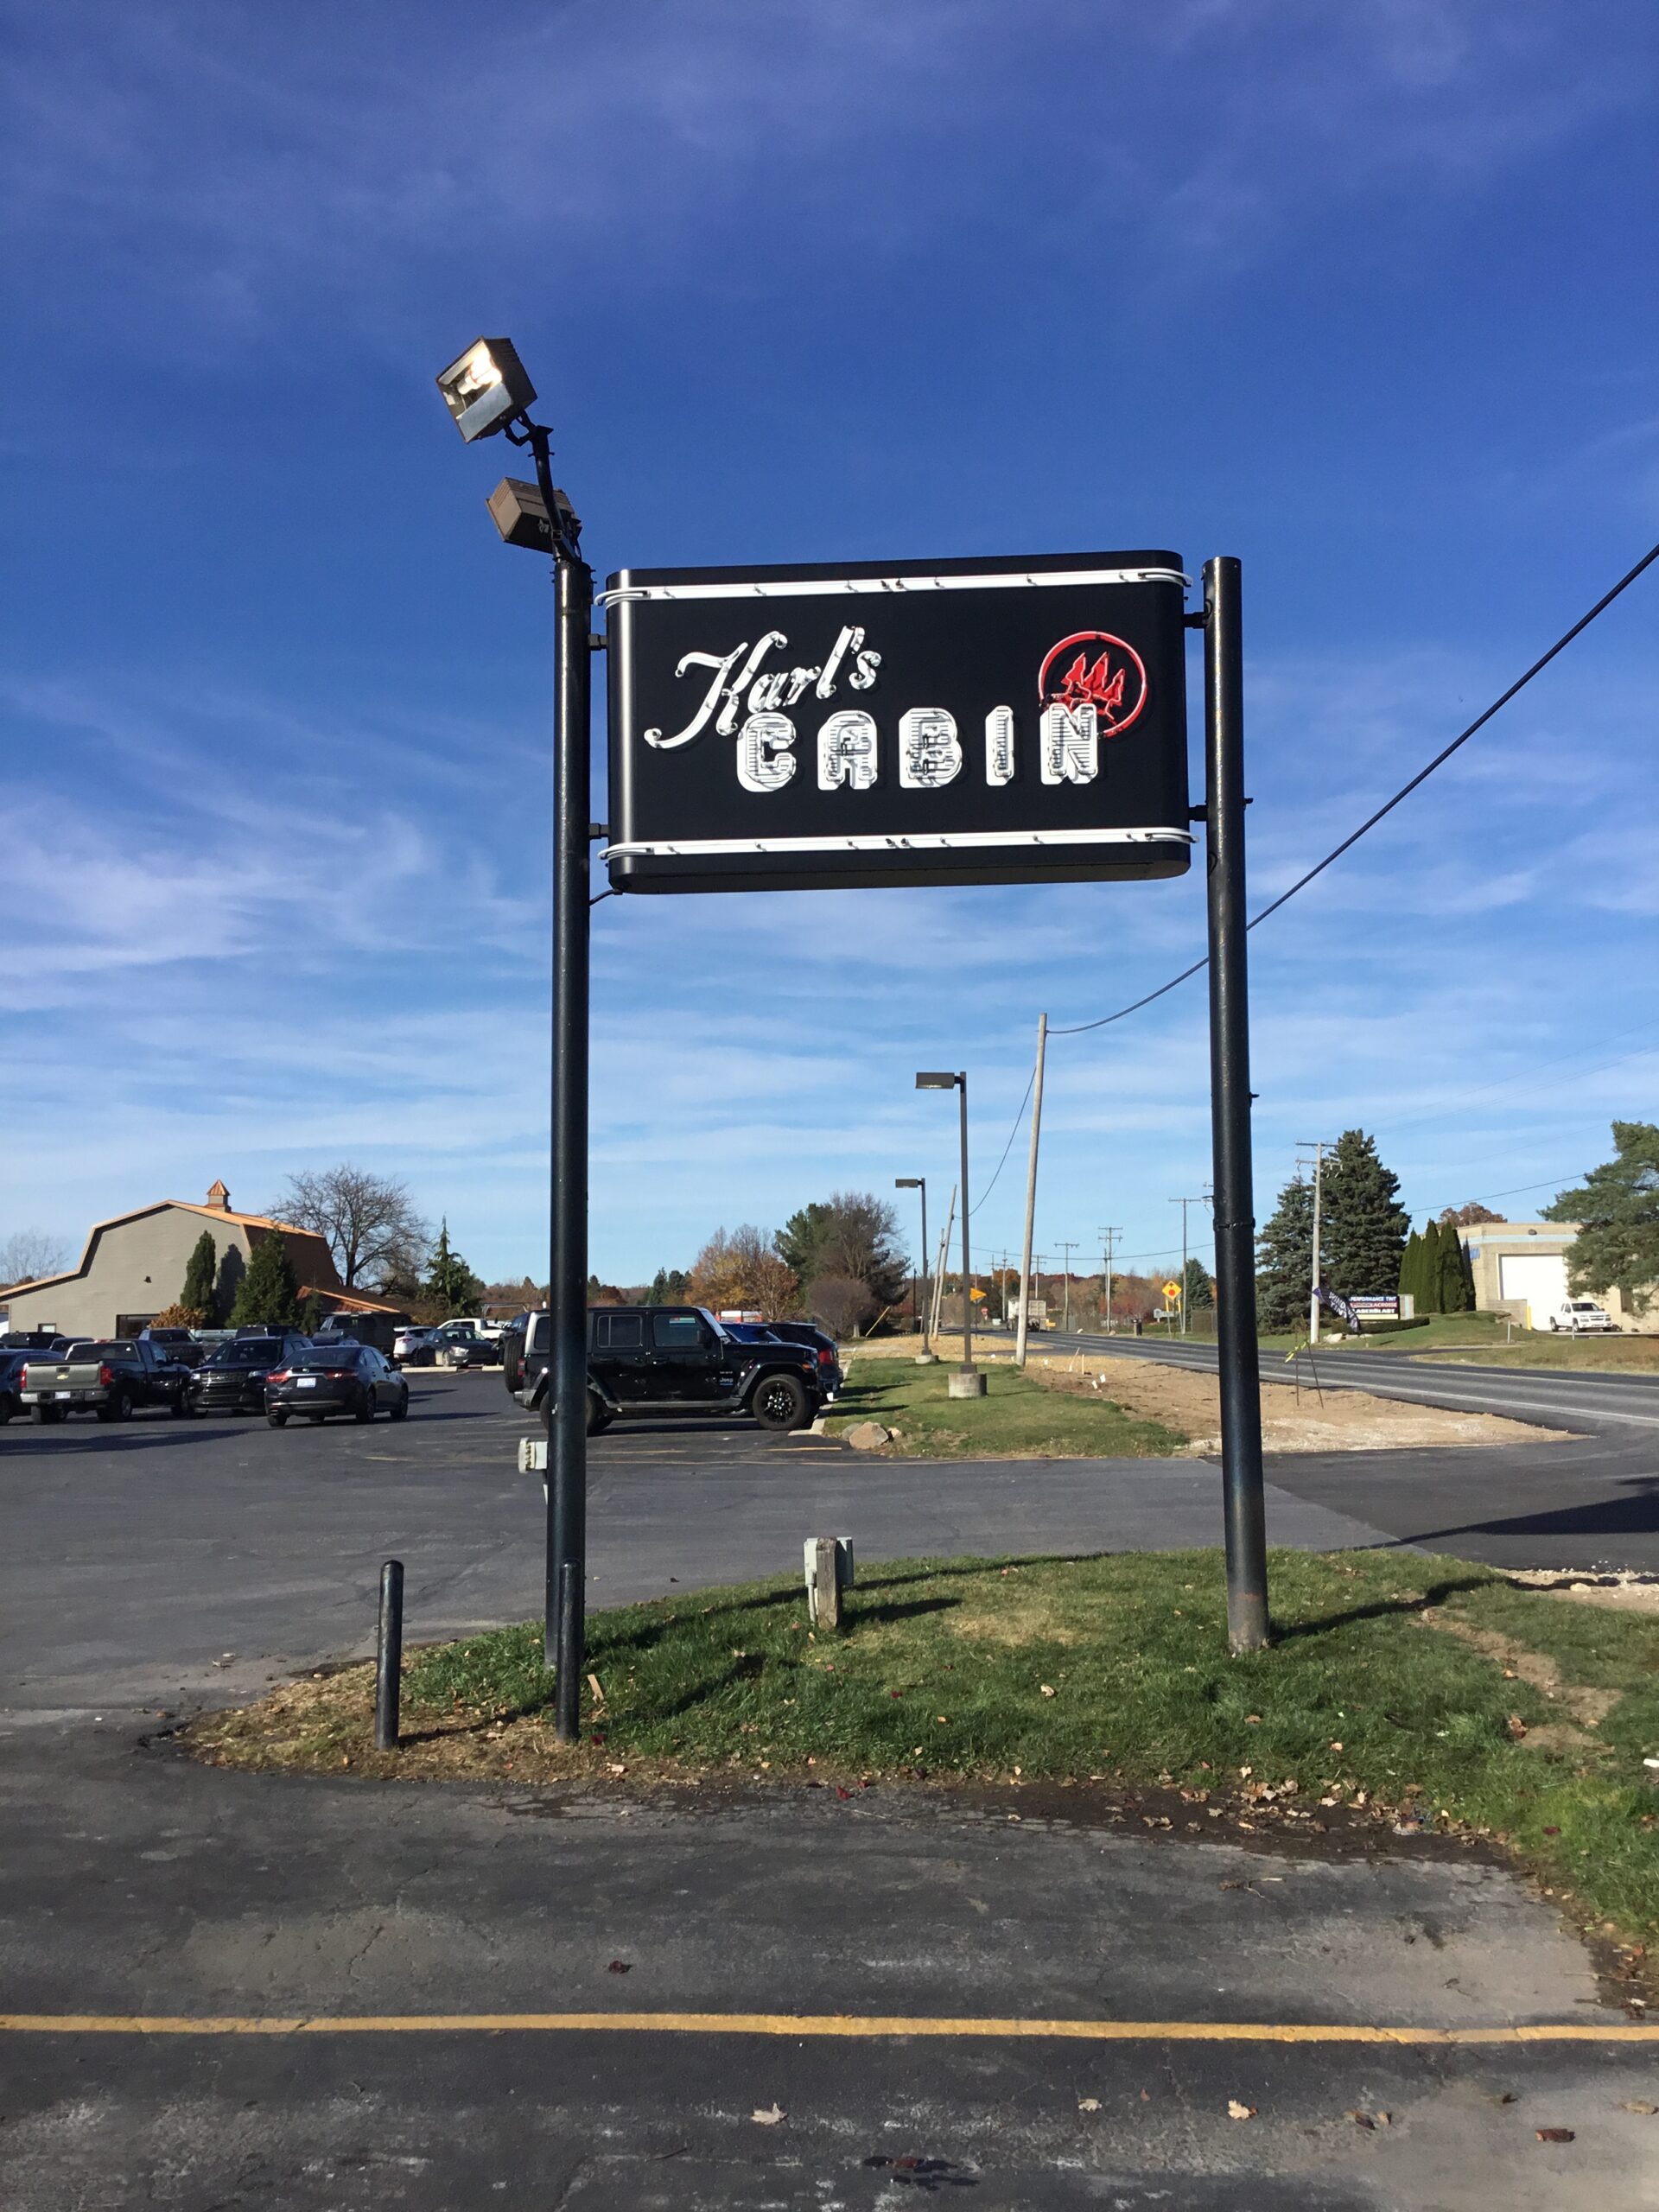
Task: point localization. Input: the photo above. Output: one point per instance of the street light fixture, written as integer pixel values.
(919, 1183)
(487, 391)
(967, 1382)
(486, 388)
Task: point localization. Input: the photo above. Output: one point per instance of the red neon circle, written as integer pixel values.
(1108, 728)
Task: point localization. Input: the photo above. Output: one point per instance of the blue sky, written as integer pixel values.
(1364, 296)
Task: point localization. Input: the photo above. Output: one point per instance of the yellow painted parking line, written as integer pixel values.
(848, 2025)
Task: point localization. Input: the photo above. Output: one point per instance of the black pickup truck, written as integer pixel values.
(657, 1359)
(111, 1377)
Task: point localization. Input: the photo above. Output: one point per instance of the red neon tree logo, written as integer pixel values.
(1101, 672)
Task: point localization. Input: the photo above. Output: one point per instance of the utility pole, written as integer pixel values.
(1317, 1147)
(944, 1248)
(1068, 1246)
(1203, 1199)
(1031, 1189)
(1109, 1239)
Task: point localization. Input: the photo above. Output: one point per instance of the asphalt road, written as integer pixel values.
(1112, 1991)
(1554, 1400)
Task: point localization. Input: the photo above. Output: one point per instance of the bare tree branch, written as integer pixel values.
(378, 1238)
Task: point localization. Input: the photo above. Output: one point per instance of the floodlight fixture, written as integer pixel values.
(487, 388)
(908, 1182)
(937, 1082)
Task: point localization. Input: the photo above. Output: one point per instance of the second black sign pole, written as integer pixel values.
(1229, 1110)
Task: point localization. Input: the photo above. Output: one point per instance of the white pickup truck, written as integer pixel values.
(1581, 1317)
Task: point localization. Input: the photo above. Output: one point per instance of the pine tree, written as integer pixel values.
(1363, 1225)
(1618, 1208)
(1285, 1260)
(269, 1292)
(198, 1295)
(450, 1281)
(1200, 1292)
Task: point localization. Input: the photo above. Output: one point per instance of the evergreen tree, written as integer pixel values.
(1432, 1264)
(450, 1281)
(1618, 1207)
(269, 1292)
(311, 1314)
(197, 1296)
(1363, 1225)
(1412, 1273)
(1285, 1260)
(1200, 1292)
(1457, 1293)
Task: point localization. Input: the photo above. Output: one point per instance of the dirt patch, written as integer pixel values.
(1294, 1418)
(1623, 1593)
(1588, 1708)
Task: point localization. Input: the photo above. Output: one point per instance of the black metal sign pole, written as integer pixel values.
(1229, 1110)
(567, 1438)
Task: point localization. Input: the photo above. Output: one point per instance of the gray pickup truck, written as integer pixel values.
(111, 1377)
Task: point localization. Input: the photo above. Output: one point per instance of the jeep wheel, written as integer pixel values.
(779, 1401)
(600, 1415)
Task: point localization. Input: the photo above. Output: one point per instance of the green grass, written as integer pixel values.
(1116, 1669)
(1018, 1416)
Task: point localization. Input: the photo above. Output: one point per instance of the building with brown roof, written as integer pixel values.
(134, 1265)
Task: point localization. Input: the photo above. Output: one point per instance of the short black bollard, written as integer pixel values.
(389, 1656)
(567, 1690)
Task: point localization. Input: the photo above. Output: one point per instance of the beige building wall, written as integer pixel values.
(1525, 1245)
(134, 1266)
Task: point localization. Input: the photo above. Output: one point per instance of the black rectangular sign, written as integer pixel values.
(948, 722)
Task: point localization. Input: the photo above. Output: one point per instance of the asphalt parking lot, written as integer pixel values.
(251, 1990)
(163, 1561)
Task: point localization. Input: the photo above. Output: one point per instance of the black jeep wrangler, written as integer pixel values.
(656, 1359)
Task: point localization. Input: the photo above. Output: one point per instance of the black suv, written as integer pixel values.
(654, 1359)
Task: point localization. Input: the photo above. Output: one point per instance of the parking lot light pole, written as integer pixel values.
(486, 392)
(917, 1182)
(967, 1382)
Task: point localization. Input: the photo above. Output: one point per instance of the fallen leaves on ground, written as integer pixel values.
(1237, 2111)
(1553, 2135)
(767, 2115)
(1088, 2104)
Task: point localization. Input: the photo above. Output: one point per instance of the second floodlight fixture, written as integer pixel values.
(487, 388)
(936, 1082)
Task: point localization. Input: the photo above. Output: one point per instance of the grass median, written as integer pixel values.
(1404, 1694)
(1018, 1417)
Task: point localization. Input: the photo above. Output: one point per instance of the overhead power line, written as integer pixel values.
(1077, 1028)
(1006, 1149)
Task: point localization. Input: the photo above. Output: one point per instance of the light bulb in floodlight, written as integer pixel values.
(486, 388)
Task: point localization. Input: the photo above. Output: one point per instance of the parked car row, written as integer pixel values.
(277, 1372)
(647, 1359)
(452, 1344)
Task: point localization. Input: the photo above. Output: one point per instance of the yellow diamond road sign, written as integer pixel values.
(1171, 1290)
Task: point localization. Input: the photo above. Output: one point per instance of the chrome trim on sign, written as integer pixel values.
(946, 840)
(832, 586)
